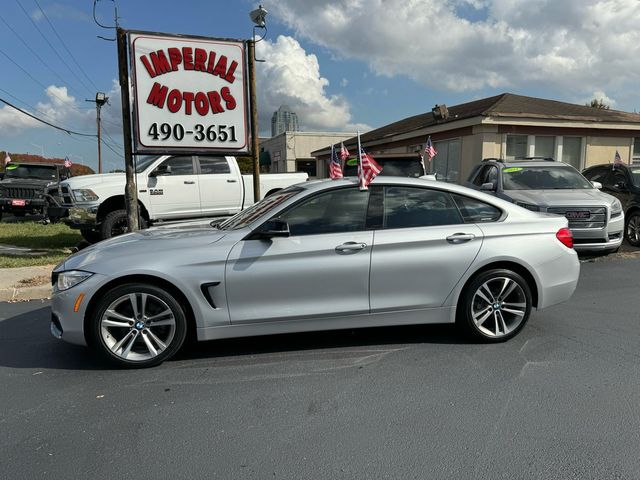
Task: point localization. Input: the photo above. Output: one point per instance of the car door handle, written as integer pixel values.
(350, 247)
(189, 182)
(230, 180)
(460, 238)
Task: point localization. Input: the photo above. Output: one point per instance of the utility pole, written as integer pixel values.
(255, 155)
(100, 100)
(130, 193)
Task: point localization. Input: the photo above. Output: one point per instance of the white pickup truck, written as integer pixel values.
(170, 187)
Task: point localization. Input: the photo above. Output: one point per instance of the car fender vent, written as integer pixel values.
(207, 291)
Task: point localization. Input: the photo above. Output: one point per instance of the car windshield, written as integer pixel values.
(543, 178)
(259, 209)
(38, 172)
(635, 176)
(144, 161)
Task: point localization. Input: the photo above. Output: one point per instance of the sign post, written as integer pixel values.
(130, 193)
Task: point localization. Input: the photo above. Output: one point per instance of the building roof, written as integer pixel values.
(503, 105)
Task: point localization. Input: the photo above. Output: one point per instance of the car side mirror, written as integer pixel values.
(597, 185)
(488, 187)
(161, 170)
(273, 228)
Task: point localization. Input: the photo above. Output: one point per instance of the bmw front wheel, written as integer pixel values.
(137, 325)
(495, 306)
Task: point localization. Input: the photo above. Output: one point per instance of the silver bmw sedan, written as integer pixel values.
(320, 255)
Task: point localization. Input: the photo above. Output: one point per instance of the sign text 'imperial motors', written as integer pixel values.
(189, 94)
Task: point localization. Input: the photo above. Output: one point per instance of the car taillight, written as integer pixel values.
(565, 236)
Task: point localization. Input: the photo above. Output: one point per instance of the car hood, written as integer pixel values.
(555, 198)
(89, 180)
(144, 249)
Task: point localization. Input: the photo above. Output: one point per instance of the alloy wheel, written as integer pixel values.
(137, 326)
(633, 230)
(498, 307)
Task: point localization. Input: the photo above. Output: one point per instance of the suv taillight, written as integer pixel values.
(565, 236)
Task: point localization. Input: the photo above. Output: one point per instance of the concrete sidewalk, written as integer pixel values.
(25, 283)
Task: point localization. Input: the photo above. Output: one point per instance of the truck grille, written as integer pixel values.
(582, 217)
(20, 192)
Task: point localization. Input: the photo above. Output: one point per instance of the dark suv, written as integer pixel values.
(623, 182)
(544, 185)
(22, 189)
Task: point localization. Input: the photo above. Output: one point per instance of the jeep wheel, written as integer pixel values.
(90, 235)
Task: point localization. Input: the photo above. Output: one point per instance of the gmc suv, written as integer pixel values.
(544, 185)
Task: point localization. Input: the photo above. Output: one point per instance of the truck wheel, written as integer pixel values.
(115, 223)
(90, 235)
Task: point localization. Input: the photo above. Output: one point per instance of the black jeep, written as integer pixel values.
(23, 187)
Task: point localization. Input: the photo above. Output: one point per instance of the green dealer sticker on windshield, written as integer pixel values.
(512, 169)
(352, 162)
(12, 166)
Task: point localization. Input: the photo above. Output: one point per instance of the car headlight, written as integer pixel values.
(71, 278)
(616, 208)
(85, 195)
(528, 206)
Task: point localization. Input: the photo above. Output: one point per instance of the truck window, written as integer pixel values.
(213, 165)
(181, 165)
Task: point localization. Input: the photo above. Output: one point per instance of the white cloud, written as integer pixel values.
(292, 77)
(574, 46)
(600, 95)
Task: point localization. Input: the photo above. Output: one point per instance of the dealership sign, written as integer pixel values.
(190, 94)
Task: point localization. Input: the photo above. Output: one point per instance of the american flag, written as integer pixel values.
(368, 168)
(67, 162)
(617, 160)
(429, 149)
(335, 168)
(344, 153)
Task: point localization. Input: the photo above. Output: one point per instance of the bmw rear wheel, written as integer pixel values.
(495, 306)
(137, 325)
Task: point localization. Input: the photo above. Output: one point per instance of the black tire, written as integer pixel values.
(494, 321)
(112, 342)
(90, 235)
(116, 223)
(631, 229)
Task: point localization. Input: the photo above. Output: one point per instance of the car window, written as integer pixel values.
(597, 174)
(342, 210)
(492, 175)
(543, 178)
(616, 177)
(482, 174)
(488, 174)
(406, 207)
(213, 165)
(36, 172)
(476, 211)
(257, 210)
(635, 176)
(181, 165)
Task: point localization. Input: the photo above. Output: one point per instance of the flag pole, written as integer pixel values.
(360, 169)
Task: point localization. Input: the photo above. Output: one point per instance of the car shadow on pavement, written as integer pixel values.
(26, 342)
(332, 339)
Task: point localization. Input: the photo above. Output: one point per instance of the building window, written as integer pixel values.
(307, 166)
(516, 146)
(545, 147)
(636, 150)
(446, 164)
(572, 151)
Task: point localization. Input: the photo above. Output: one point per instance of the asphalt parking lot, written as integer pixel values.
(558, 401)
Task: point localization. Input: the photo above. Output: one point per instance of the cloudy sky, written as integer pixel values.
(341, 65)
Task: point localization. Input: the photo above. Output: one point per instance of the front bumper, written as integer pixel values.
(601, 239)
(29, 204)
(66, 323)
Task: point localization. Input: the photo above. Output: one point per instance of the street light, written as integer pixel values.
(101, 99)
(258, 18)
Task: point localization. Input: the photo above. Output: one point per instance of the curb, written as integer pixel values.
(12, 290)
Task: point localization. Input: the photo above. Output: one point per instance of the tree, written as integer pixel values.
(598, 103)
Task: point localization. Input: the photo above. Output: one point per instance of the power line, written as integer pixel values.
(112, 149)
(52, 47)
(35, 79)
(65, 46)
(32, 50)
(70, 132)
